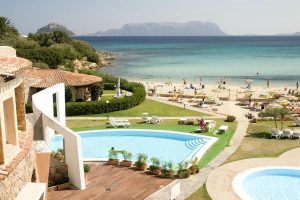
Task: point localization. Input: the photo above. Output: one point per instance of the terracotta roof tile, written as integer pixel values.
(14, 65)
(49, 77)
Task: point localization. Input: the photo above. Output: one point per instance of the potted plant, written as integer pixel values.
(183, 171)
(194, 168)
(113, 158)
(167, 170)
(141, 163)
(86, 169)
(127, 156)
(155, 166)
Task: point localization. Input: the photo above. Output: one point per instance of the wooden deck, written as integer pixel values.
(113, 183)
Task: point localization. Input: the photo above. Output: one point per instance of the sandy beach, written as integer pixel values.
(231, 91)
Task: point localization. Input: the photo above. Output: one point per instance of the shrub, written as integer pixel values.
(96, 91)
(141, 160)
(85, 50)
(112, 154)
(86, 168)
(155, 164)
(109, 86)
(230, 118)
(126, 155)
(59, 155)
(183, 171)
(98, 107)
(28, 108)
(168, 169)
(69, 94)
(195, 167)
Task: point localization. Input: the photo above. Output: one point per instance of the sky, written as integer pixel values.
(234, 17)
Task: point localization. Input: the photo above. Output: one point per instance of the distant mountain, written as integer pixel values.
(54, 27)
(288, 34)
(193, 28)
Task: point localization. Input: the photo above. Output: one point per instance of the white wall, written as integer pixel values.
(42, 104)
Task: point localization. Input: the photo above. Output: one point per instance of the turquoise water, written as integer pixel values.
(157, 58)
(162, 144)
(271, 184)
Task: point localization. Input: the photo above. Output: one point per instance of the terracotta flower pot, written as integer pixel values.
(156, 172)
(126, 163)
(184, 173)
(114, 162)
(142, 168)
(194, 170)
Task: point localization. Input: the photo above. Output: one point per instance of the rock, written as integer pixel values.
(106, 57)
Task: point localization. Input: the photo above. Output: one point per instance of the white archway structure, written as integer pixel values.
(47, 123)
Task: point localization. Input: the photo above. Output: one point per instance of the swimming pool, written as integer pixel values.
(268, 183)
(166, 145)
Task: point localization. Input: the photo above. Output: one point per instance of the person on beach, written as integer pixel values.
(184, 82)
(297, 85)
(170, 82)
(195, 91)
(202, 123)
(268, 83)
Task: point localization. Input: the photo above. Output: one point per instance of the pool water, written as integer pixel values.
(165, 145)
(272, 184)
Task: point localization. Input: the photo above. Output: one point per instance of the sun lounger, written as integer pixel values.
(223, 129)
(119, 122)
(287, 133)
(146, 118)
(155, 120)
(296, 134)
(298, 121)
(276, 133)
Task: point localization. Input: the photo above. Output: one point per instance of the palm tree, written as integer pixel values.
(7, 27)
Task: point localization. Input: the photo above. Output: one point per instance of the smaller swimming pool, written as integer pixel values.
(268, 183)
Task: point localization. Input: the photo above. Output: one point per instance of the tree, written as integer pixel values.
(60, 37)
(7, 28)
(276, 113)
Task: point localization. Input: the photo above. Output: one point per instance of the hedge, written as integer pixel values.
(98, 107)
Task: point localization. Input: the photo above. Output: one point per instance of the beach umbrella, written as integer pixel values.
(283, 102)
(274, 105)
(118, 95)
(265, 96)
(292, 98)
(248, 81)
(296, 110)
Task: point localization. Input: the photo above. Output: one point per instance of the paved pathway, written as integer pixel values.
(193, 183)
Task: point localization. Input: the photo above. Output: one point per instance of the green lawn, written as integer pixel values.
(112, 92)
(200, 194)
(257, 143)
(153, 108)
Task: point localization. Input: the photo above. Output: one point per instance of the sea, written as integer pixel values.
(205, 59)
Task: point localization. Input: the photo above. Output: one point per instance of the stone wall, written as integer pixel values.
(6, 51)
(12, 184)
